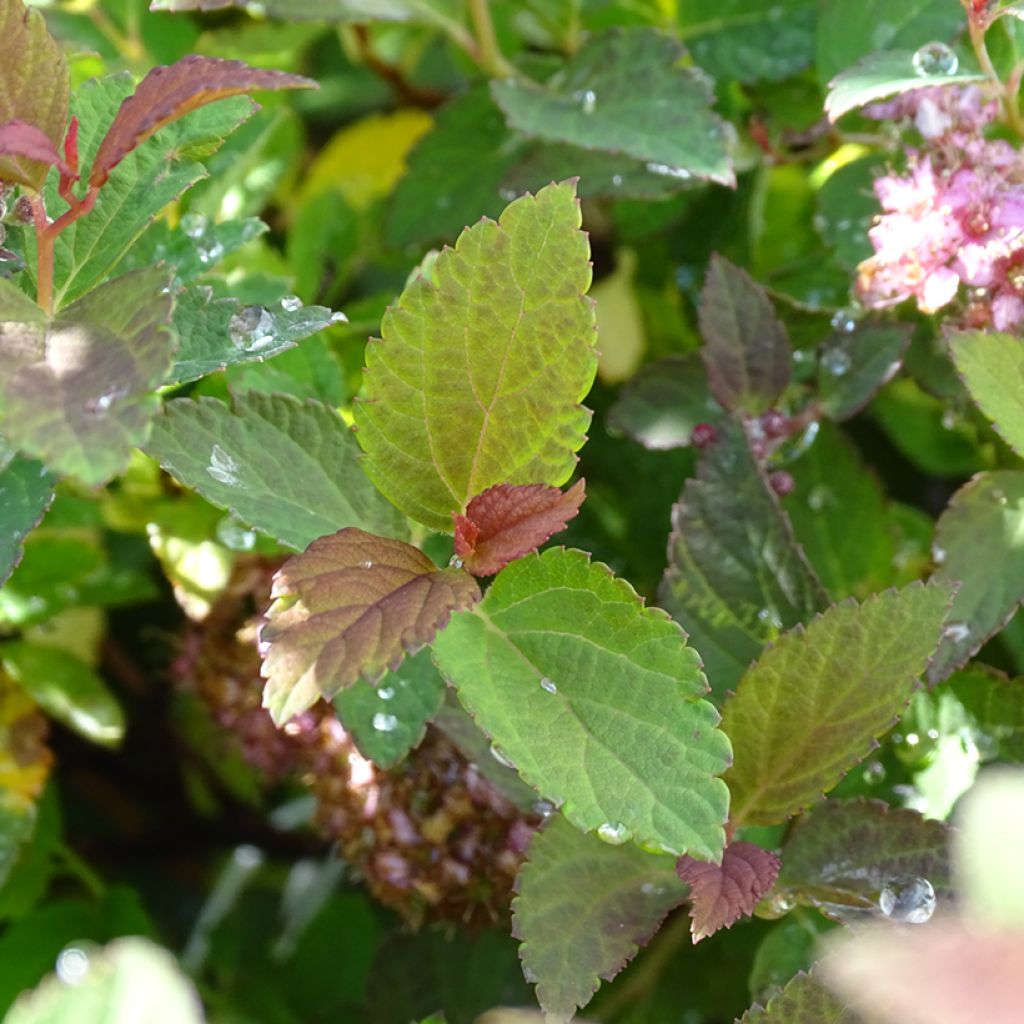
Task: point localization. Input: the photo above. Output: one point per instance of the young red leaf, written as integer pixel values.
(172, 91)
(506, 522)
(25, 140)
(723, 893)
(350, 607)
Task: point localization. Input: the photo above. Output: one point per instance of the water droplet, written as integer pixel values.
(957, 632)
(775, 905)
(366, 564)
(616, 180)
(999, 496)
(234, 535)
(587, 100)
(103, 402)
(222, 467)
(455, 562)
(72, 965)
(874, 773)
(545, 808)
(508, 194)
(819, 497)
(385, 692)
(935, 59)
(291, 303)
(650, 889)
(548, 685)
(911, 900)
(194, 225)
(210, 253)
(668, 171)
(771, 617)
(939, 555)
(844, 321)
(530, 975)
(339, 318)
(500, 757)
(836, 361)
(949, 419)
(614, 833)
(251, 328)
(383, 722)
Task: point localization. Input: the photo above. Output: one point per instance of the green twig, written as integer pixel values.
(488, 52)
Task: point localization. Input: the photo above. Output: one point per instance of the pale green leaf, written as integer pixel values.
(584, 909)
(992, 367)
(814, 703)
(26, 490)
(482, 366)
(595, 699)
(803, 1001)
(76, 391)
(627, 92)
(65, 688)
(291, 469)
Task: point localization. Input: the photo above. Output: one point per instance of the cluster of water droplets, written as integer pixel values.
(209, 248)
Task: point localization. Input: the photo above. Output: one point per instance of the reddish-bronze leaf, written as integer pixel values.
(506, 522)
(350, 607)
(25, 140)
(172, 91)
(723, 893)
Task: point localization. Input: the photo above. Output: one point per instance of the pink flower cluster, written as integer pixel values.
(956, 217)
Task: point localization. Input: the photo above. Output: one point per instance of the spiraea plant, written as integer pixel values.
(634, 578)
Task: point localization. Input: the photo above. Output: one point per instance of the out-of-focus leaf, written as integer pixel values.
(26, 488)
(662, 404)
(326, 10)
(583, 910)
(507, 522)
(627, 92)
(65, 688)
(992, 367)
(33, 88)
(723, 893)
(852, 367)
(131, 979)
(846, 208)
(746, 350)
(287, 467)
(845, 852)
(879, 75)
(838, 513)
(27, 145)
(566, 670)
(814, 703)
(977, 547)
(350, 607)
(996, 704)
(389, 719)
(803, 1001)
(788, 949)
(749, 40)
(483, 365)
(727, 524)
(76, 390)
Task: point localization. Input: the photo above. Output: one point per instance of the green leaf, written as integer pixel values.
(155, 174)
(482, 367)
(802, 1001)
(595, 699)
(814, 703)
(851, 29)
(977, 547)
(992, 367)
(785, 951)
(996, 704)
(846, 210)
(662, 404)
(77, 390)
(583, 910)
(839, 516)
(320, 10)
(879, 75)
(291, 469)
(33, 86)
(627, 92)
(846, 851)
(727, 526)
(852, 367)
(27, 490)
(455, 172)
(216, 333)
(349, 607)
(749, 40)
(65, 688)
(746, 349)
(131, 979)
(389, 719)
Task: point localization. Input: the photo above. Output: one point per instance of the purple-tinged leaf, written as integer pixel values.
(350, 607)
(746, 350)
(814, 704)
(723, 893)
(803, 1001)
(19, 139)
(172, 91)
(508, 521)
(33, 90)
(583, 910)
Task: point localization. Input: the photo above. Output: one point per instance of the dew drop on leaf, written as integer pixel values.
(383, 722)
(935, 59)
(909, 900)
(386, 692)
(501, 758)
(836, 361)
(72, 965)
(291, 303)
(235, 536)
(548, 685)
(957, 632)
(587, 100)
(222, 467)
(844, 321)
(614, 833)
(194, 225)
